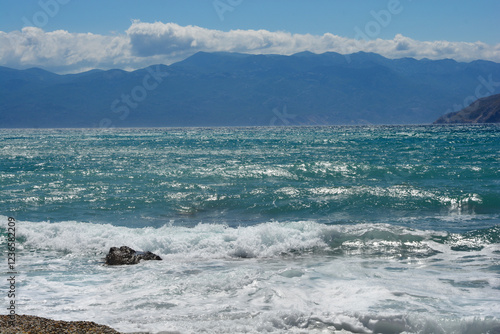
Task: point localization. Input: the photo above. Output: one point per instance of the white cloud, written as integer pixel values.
(60, 50)
(169, 38)
(144, 44)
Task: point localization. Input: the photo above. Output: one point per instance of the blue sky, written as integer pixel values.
(404, 23)
(425, 20)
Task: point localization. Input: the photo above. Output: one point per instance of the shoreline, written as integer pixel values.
(39, 325)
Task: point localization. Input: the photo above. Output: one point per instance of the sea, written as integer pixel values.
(343, 229)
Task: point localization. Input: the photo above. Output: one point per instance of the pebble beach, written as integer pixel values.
(28, 324)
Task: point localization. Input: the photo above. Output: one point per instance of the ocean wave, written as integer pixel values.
(266, 240)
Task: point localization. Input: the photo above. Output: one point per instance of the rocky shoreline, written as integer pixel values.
(28, 324)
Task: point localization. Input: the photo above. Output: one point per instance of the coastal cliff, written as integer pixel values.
(485, 110)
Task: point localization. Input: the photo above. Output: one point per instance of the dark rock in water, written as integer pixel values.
(148, 256)
(126, 255)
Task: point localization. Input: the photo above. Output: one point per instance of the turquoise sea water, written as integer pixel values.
(308, 230)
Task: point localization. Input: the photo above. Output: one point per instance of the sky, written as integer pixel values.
(70, 36)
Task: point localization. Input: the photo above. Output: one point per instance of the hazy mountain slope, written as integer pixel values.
(485, 110)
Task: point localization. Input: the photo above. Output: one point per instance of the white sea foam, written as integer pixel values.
(295, 277)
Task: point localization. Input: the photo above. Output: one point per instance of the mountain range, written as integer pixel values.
(232, 89)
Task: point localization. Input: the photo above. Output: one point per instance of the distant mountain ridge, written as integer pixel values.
(485, 110)
(231, 89)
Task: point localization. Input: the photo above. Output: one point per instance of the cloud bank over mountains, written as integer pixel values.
(144, 44)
